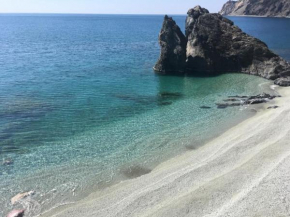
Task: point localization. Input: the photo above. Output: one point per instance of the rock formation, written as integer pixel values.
(269, 8)
(246, 100)
(214, 45)
(173, 48)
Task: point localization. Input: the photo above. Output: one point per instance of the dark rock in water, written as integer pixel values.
(284, 81)
(262, 96)
(225, 105)
(173, 48)
(222, 106)
(16, 213)
(7, 162)
(10, 149)
(135, 171)
(230, 100)
(255, 101)
(258, 99)
(170, 95)
(238, 96)
(273, 107)
(214, 45)
(205, 107)
(164, 103)
(269, 8)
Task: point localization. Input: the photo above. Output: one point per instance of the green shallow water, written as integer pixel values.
(81, 109)
(67, 168)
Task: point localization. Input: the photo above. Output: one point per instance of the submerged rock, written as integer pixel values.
(135, 171)
(21, 196)
(273, 107)
(170, 94)
(16, 213)
(205, 107)
(164, 103)
(230, 100)
(214, 45)
(7, 162)
(243, 100)
(237, 96)
(225, 105)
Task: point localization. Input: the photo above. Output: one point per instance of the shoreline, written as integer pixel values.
(260, 16)
(208, 181)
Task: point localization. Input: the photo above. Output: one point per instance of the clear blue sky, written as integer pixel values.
(107, 6)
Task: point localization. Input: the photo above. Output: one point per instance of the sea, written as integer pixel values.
(81, 108)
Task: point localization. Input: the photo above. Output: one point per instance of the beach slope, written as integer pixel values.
(244, 172)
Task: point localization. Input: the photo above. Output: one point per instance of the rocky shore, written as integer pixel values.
(213, 45)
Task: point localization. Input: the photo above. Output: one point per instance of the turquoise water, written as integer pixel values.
(80, 106)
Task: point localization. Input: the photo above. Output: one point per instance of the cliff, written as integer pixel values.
(213, 45)
(268, 8)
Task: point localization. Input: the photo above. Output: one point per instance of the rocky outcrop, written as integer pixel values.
(214, 45)
(269, 8)
(173, 48)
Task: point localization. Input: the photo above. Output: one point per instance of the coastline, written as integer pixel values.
(256, 16)
(240, 173)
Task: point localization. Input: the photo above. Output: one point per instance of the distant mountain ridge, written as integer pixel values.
(267, 8)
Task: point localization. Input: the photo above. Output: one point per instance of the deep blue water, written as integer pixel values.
(80, 104)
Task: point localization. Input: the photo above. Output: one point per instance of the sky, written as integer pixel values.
(107, 6)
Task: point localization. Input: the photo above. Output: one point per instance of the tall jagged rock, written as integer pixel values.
(269, 8)
(173, 49)
(214, 46)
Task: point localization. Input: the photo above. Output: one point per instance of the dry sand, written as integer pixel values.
(244, 172)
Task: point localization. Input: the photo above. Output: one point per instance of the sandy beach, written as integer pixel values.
(244, 172)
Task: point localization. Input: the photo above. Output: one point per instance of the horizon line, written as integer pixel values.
(51, 13)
